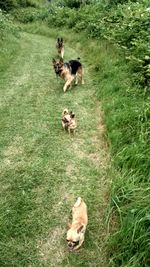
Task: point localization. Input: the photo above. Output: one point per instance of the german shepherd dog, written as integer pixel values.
(69, 71)
(60, 47)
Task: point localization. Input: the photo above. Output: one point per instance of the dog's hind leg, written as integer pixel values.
(81, 73)
(76, 79)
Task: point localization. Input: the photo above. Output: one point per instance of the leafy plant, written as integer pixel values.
(9, 35)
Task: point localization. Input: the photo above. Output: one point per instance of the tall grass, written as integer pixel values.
(127, 120)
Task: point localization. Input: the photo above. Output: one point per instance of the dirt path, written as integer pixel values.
(43, 170)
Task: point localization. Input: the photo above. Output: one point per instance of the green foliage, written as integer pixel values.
(8, 4)
(8, 41)
(71, 3)
(129, 26)
(27, 3)
(7, 26)
(30, 14)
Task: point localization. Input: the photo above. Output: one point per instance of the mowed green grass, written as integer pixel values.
(43, 169)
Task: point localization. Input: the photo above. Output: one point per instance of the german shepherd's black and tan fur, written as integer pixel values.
(60, 47)
(69, 71)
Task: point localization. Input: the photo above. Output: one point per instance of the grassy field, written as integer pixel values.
(43, 170)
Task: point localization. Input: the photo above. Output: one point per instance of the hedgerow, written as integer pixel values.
(9, 44)
(30, 14)
(8, 5)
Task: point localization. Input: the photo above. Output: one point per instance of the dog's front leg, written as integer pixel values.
(63, 125)
(69, 131)
(62, 53)
(67, 84)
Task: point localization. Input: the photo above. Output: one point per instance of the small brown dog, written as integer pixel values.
(60, 47)
(75, 234)
(68, 71)
(68, 121)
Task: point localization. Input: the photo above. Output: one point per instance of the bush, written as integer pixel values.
(7, 27)
(8, 4)
(9, 35)
(27, 3)
(72, 3)
(30, 14)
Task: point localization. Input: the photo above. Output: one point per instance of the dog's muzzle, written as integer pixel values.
(73, 244)
(58, 70)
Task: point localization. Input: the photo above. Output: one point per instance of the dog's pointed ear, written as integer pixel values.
(61, 39)
(80, 229)
(61, 60)
(53, 60)
(58, 39)
(72, 114)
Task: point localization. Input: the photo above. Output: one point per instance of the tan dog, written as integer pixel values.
(68, 121)
(60, 47)
(68, 71)
(75, 235)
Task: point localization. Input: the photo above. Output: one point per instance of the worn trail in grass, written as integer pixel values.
(43, 169)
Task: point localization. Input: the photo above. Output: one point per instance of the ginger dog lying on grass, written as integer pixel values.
(68, 71)
(75, 234)
(68, 121)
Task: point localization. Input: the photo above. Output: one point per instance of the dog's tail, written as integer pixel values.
(78, 202)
